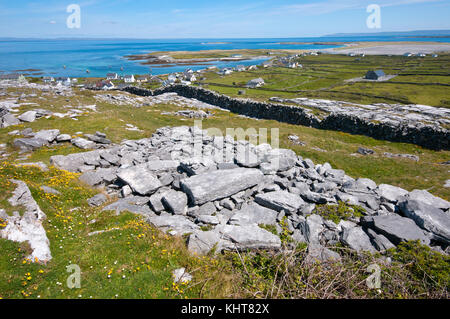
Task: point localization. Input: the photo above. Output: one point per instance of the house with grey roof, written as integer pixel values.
(255, 83)
(374, 75)
(13, 77)
(112, 76)
(129, 78)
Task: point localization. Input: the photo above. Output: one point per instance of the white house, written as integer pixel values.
(226, 71)
(294, 65)
(105, 85)
(112, 76)
(142, 79)
(252, 67)
(255, 83)
(48, 79)
(190, 77)
(172, 78)
(129, 78)
(240, 68)
(64, 81)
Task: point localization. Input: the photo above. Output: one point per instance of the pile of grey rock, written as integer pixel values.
(165, 98)
(192, 114)
(32, 141)
(8, 119)
(220, 192)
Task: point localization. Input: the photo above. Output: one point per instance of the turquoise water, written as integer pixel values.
(48, 57)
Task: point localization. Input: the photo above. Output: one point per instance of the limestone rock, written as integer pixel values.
(220, 184)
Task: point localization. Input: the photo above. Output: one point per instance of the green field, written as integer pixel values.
(419, 80)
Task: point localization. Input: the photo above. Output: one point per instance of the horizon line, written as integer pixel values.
(212, 38)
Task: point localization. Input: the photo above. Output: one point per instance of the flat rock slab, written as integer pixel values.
(202, 242)
(27, 227)
(175, 202)
(29, 116)
(249, 237)
(30, 143)
(123, 205)
(140, 179)
(254, 214)
(427, 198)
(73, 162)
(357, 239)
(220, 184)
(390, 193)
(428, 217)
(178, 223)
(97, 200)
(48, 135)
(396, 228)
(280, 200)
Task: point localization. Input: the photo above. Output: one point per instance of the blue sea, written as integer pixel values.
(100, 56)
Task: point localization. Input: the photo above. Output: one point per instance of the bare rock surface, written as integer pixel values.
(224, 195)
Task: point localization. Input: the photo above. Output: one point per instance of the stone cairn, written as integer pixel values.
(225, 194)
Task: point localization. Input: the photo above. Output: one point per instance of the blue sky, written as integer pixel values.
(216, 19)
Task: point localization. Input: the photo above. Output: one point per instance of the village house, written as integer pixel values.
(252, 67)
(48, 79)
(155, 79)
(112, 76)
(172, 78)
(129, 78)
(255, 83)
(267, 64)
(142, 78)
(240, 68)
(13, 77)
(407, 54)
(190, 77)
(374, 75)
(226, 71)
(63, 81)
(294, 65)
(105, 85)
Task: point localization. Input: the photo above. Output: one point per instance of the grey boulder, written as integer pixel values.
(249, 237)
(428, 217)
(395, 228)
(175, 202)
(140, 179)
(254, 214)
(356, 239)
(220, 184)
(280, 200)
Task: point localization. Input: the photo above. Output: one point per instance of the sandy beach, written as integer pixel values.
(394, 48)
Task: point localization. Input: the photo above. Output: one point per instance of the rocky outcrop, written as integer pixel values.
(33, 141)
(28, 226)
(188, 183)
(409, 130)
